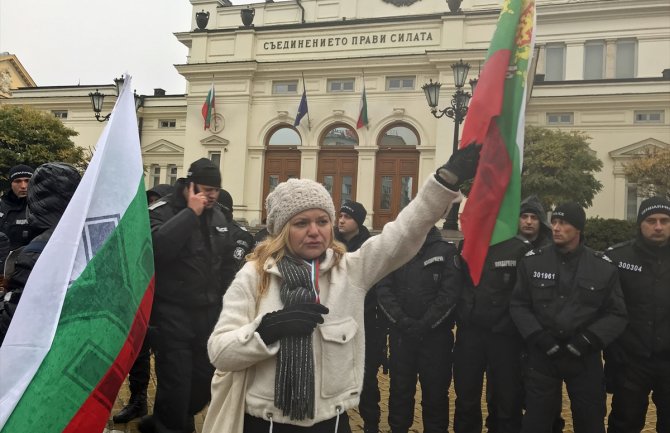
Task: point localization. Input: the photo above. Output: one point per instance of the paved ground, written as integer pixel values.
(356, 422)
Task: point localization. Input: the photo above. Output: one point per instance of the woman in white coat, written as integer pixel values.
(292, 319)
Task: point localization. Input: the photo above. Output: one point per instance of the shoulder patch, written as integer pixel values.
(602, 256)
(157, 204)
(620, 245)
(533, 253)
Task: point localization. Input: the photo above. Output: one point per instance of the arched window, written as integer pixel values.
(284, 136)
(339, 135)
(399, 134)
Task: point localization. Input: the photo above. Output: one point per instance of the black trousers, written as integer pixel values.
(632, 384)
(374, 347)
(430, 358)
(139, 374)
(183, 375)
(477, 352)
(586, 388)
(254, 424)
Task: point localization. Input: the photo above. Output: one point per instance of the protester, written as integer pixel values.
(418, 299)
(352, 232)
(51, 188)
(638, 362)
(487, 340)
(567, 304)
(299, 380)
(13, 221)
(190, 261)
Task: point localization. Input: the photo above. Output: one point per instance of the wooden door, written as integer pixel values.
(280, 165)
(337, 172)
(396, 176)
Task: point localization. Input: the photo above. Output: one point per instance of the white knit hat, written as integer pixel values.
(292, 197)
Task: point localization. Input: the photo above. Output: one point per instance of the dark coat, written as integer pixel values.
(644, 272)
(13, 220)
(566, 294)
(421, 295)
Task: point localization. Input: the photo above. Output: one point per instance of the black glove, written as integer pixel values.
(462, 165)
(299, 319)
(583, 343)
(546, 342)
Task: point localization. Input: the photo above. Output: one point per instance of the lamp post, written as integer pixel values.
(457, 111)
(98, 98)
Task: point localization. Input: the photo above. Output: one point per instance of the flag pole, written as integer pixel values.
(304, 92)
(367, 125)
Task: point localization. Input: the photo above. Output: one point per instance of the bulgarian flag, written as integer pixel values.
(208, 109)
(362, 111)
(496, 119)
(85, 307)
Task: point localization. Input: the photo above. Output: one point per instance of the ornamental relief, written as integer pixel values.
(401, 2)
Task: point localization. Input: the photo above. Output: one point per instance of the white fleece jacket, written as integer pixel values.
(339, 342)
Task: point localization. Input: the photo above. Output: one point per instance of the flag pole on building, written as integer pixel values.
(303, 108)
(363, 109)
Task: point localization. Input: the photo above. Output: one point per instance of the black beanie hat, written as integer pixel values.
(355, 210)
(226, 200)
(651, 206)
(571, 212)
(19, 171)
(204, 172)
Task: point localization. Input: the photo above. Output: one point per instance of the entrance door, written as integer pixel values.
(395, 184)
(280, 165)
(337, 172)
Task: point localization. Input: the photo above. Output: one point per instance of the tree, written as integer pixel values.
(33, 137)
(559, 166)
(651, 173)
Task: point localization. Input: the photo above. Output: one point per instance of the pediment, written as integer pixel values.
(214, 140)
(162, 147)
(638, 149)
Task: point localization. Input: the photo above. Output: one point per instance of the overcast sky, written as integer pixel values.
(91, 42)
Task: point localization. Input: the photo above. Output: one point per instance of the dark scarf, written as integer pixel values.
(294, 376)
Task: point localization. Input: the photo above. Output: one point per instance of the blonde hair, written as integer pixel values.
(276, 247)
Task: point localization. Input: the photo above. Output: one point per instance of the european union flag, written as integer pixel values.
(302, 109)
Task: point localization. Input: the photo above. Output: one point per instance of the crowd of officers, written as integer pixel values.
(543, 312)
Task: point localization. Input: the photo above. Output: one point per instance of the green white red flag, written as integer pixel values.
(208, 108)
(496, 119)
(85, 308)
(362, 111)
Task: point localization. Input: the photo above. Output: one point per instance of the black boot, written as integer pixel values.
(370, 429)
(136, 407)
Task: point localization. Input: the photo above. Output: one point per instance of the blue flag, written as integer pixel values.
(302, 109)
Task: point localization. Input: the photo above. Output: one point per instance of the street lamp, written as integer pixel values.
(98, 98)
(457, 111)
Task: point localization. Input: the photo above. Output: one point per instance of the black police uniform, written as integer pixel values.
(193, 267)
(13, 220)
(375, 344)
(487, 341)
(566, 297)
(418, 299)
(638, 362)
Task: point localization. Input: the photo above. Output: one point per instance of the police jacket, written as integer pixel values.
(422, 294)
(240, 243)
(487, 304)
(352, 245)
(567, 293)
(13, 220)
(644, 271)
(192, 254)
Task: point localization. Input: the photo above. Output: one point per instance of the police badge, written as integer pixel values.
(401, 2)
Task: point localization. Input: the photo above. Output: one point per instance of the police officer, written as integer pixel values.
(13, 204)
(241, 240)
(190, 246)
(567, 304)
(486, 338)
(418, 300)
(638, 362)
(352, 232)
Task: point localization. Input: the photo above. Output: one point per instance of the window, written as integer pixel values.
(155, 175)
(340, 136)
(554, 69)
(594, 60)
(172, 174)
(649, 117)
(215, 157)
(400, 83)
(560, 118)
(626, 58)
(341, 85)
(285, 137)
(167, 123)
(279, 87)
(60, 114)
(399, 136)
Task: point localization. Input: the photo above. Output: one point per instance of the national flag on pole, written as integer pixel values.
(208, 108)
(362, 111)
(496, 119)
(85, 308)
(302, 109)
